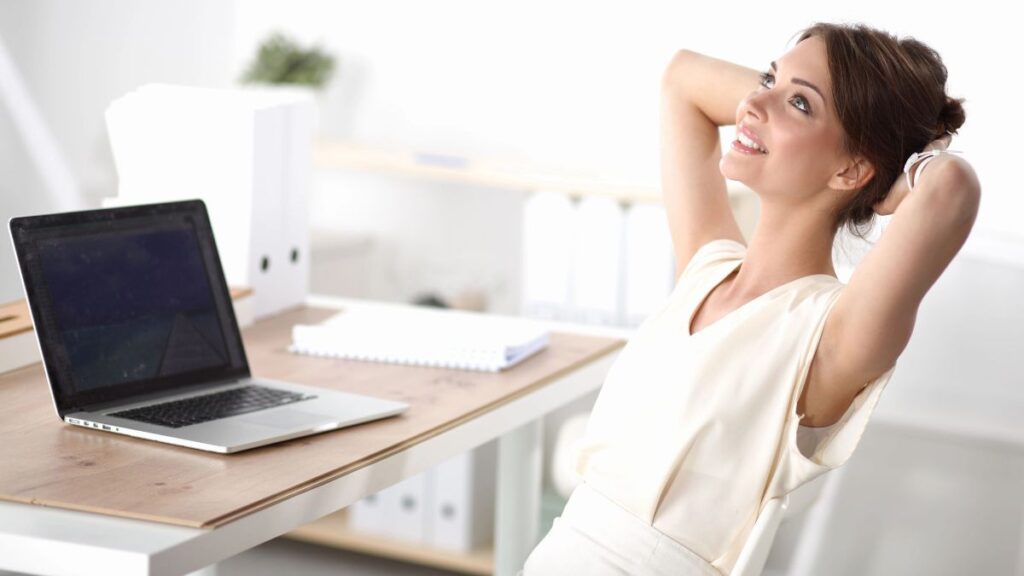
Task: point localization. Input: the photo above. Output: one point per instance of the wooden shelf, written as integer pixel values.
(509, 174)
(333, 530)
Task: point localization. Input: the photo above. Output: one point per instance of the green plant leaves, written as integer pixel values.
(280, 60)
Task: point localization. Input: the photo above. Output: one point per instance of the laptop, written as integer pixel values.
(138, 334)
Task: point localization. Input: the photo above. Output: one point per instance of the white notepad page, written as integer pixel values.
(426, 337)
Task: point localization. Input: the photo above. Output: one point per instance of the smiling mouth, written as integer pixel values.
(739, 145)
(748, 142)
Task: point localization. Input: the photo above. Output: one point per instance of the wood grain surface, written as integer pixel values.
(14, 318)
(46, 462)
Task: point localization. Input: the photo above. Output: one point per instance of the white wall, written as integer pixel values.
(576, 82)
(75, 57)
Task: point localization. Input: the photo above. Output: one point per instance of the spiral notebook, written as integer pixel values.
(423, 337)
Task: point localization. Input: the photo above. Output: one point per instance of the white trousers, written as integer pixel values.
(594, 536)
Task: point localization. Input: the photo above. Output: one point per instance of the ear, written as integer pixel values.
(854, 175)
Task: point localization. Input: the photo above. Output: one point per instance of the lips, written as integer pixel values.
(753, 137)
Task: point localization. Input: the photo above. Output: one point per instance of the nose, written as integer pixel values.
(753, 106)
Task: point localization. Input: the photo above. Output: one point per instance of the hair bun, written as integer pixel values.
(951, 117)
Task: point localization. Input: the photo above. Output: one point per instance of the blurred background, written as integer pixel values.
(566, 94)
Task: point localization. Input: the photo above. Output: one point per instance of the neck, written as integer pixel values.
(786, 245)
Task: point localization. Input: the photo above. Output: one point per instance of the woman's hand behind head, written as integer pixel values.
(900, 189)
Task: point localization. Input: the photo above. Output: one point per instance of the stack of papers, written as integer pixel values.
(425, 337)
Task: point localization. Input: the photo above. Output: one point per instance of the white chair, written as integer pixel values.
(759, 543)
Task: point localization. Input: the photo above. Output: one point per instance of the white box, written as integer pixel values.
(462, 506)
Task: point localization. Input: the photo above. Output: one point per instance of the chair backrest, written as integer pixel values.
(759, 543)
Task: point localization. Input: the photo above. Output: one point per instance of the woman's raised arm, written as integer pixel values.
(698, 94)
(873, 319)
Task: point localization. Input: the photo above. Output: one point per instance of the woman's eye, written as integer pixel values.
(804, 107)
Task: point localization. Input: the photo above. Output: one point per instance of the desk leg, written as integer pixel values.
(517, 517)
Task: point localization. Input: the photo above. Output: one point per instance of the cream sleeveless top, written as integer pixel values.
(695, 433)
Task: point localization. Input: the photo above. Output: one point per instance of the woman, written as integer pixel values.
(760, 371)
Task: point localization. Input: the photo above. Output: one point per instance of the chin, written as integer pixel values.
(729, 171)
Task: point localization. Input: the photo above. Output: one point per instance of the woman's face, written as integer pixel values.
(794, 122)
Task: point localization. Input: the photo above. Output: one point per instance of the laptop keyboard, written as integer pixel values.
(198, 409)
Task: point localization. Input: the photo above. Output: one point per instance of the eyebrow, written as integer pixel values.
(803, 82)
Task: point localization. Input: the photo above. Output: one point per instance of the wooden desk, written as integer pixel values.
(86, 502)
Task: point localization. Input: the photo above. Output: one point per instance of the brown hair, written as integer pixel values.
(890, 97)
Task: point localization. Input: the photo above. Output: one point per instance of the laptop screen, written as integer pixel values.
(128, 301)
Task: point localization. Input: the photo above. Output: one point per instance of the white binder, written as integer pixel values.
(596, 261)
(547, 255)
(294, 251)
(404, 507)
(265, 228)
(462, 506)
(649, 265)
(367, 515)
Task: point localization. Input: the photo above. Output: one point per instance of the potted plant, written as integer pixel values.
(280, 60)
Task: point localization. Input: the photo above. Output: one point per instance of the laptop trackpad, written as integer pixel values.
(288, 418)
